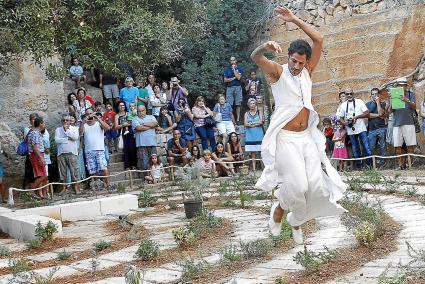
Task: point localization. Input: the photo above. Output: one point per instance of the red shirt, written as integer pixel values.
(89, 99)
(329, 132)
(109, 118)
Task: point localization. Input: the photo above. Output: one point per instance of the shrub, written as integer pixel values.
(256, 248)
(64, 255)
(147, 250)
(311, 261)
(48, 279)
(172, 205)
(101, 245)
(280, 280)
(411, 191)
(33, 244)
(230, 254)
(226, 203)
(134, 275)
(365, 233)
(193, 269)
(146, 198)
(4, 251)
(17, 265)
(46, 232)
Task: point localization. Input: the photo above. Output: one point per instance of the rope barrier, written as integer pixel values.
(50, 185)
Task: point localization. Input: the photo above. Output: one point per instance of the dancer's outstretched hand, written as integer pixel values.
(273, 46)
(285, 14)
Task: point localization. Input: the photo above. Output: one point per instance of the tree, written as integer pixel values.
(103, 33)
(233, 26)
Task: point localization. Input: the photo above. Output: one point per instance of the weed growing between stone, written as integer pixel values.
(230, 254)
(411, 191)
(48, 279)
(94, 262)
(172, 205)
(101, 245)
(147, 250)
(134, 275)
(42, 233)
(64, 255)
(4, 251)
(311, 261)
(196, 227)
(33, 244)
(280, 280)
(146, 198)
(17, 265)
(193, 269)
(364, 218)
(256, 248)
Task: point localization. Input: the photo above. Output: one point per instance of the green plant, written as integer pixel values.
(245, 198)
(134, 275)
(280, 280)
(411, 191)
(172, 205)
(120, 188)
(392, 184)
(33, 244)
(48, 279)
(147, 250)
(226, 203)
(17, 265)
(230, 254)
(261, 196)
(64, 254)
(373, 177)
(4, 251)
(101, 245)
(355, 183)
(44, 233)
(311, 261)
(193, 269)
(146, 198)
(365, 233)
(256, 248)
(94, 263)
(285, 233)
(224, 187)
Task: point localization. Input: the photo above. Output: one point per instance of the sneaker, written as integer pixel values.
(297, 235)
(274, 227)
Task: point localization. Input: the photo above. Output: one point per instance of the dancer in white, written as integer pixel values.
(293, 149)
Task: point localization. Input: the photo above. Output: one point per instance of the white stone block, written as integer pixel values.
(118, 204)
(53, 212)
(84, 210)
(5, 220)
(23, 227)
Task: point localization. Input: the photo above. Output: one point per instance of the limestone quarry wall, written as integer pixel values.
(367, 43)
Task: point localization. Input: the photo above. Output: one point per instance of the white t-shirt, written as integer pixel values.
(152, 98)
(93, 137)
(350, 109)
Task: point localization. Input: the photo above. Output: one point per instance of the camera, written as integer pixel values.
(350, 123)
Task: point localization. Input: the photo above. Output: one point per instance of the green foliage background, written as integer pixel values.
(195, 38)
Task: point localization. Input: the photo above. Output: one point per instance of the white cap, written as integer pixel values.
(401, 81)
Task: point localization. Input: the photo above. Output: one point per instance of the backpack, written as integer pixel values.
(22, 149)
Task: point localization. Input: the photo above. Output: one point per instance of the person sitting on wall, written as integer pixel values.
(157, 172)
(177, 149)
(77, 72)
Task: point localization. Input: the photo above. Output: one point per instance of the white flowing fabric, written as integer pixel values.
(291, 94)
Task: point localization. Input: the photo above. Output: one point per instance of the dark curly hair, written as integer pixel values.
(301, 47)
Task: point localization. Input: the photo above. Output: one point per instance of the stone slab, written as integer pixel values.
(85, 210)
(118, 204)
(23, 227)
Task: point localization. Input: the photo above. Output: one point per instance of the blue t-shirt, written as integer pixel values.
(171, 146)
(225, 111)
(128, 95)
(147, 137)
(228, 73)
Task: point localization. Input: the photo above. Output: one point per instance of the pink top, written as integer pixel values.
(208, 166)
(199, 111)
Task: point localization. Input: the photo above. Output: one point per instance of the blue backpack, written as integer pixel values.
(22, 149)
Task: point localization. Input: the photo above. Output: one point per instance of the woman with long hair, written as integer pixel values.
(184, 119)
(220, 157)
(205, 132)
(234, 148)
(129, 142)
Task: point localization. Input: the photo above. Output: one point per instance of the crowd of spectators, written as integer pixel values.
(360, 129)
(140, 117)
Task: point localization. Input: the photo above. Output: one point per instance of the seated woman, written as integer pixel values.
(195, 155)
(234, 148)
(166, 122)
(157, 172)
(207, 164)
(220, 156)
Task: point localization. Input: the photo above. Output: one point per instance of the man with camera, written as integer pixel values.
(232, 79)
(177, 92)
(93, 128)
(351, 114)
(377, 127)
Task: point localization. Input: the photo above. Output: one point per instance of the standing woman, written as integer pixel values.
(29, 173)
(205, 132)
(253, 130)
(71, 99)
(129, 142)
(129, 93)
(81, 105)
(185, 125)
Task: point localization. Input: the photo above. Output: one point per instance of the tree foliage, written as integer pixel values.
(233, 30)
(102, 33)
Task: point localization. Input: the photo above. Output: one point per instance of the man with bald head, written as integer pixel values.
(144, 131)
(352, 113)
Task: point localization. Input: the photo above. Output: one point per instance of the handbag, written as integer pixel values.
(22, 149)
(120, 142)
(210, 122)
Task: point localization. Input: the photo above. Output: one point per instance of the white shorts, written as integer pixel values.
(404, 133)
(225, 127)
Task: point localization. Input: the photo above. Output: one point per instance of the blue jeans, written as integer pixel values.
(206, 133)
(356, 140)
(378, 135)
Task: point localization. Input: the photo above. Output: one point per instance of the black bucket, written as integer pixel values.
(192, 208)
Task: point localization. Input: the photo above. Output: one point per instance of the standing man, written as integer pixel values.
(109, 84)
(66, 138)
(232, 79)
(377, 128)
(404, 125)
(352, 113)
(177, 92)
(293, 149)
(144, 130)
(93, 128)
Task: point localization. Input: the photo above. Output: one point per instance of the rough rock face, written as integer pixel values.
(25, 90)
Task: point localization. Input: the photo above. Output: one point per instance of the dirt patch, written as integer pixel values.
(351, 259)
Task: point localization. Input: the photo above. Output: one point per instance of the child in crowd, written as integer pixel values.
(98, 109)
(207, 164)
(112, 134)
(340, 150)
(329, 134)
(252, 91)
(131, 114)
(157, 171)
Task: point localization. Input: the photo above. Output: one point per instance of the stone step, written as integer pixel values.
(116, 158)
(116, 167)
